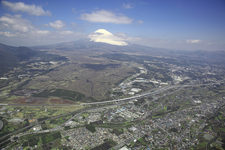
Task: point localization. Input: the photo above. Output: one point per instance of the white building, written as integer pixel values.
(131, 93)
(198, 102)
(135, 90)
(124, 148)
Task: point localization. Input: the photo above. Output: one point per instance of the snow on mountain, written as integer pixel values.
(104, 36)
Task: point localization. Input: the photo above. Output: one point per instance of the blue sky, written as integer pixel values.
(172, 24)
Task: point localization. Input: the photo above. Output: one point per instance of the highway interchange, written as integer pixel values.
(148, 93)
(160, 90)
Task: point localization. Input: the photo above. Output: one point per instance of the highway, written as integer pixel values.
(146, 94)
(104, 102)
(50, 130)
(1, 124)
(157, 91)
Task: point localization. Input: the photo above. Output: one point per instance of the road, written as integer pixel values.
(61, 105)
(147, 94)
(157, 91)
(104, 102)
(1, 124)
(54, 129)
(37, 123)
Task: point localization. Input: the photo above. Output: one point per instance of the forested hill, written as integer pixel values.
(10, 57)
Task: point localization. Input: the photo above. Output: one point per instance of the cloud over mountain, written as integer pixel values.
(16, 23)
(103, 36)
(104, 16)
(140, 22)
(193, 41)
(127, 6)
(58, 24)
(7, 34)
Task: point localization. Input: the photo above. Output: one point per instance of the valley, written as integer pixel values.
(138, 100)
(112, 75)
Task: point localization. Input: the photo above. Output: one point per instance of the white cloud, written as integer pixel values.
(103, 36)
(8, 34)
(15, 23)
(150, 41)
(193, 41)
(104, 16)
(73, 24)
(42, 32)
(30, 9)
(16, 26)
(57, 24)
(124, 37)
(121, 35)
(140, 22)
(73, 10)
(68, 35)
(45, 25)
(20, 31)
(37, 34)
(76, 11)
(20, 26)
(127, 6)
(177, 45)
(77, 27)
(144, 3)
(65, 32)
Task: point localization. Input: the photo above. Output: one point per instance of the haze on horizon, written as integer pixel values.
(175, 24)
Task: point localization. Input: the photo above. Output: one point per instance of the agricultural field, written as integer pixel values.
(92, 80)
(13, 125)
(85, 115)
(60, 121)
(15, 118)
(34, 112)
(90, 127)
(40, 140)
(139, 142)
(107, 145)
(117, 131)
(49, 95)
(18, 117)
(30, 100)
(65, 94)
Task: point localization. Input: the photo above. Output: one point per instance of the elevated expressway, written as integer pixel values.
(134, 97)
(147, 94)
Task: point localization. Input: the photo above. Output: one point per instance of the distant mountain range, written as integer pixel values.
(11, 56)
(85, 45)
(91, 45)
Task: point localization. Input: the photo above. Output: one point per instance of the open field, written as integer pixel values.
(85, 115)
(107, 145)
(30, 100)
(35, 112)
(65, 94)
(93, 78)
(60, 101)
(38, 101)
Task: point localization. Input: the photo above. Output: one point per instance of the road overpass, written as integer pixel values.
(133, 97)
(146, 94)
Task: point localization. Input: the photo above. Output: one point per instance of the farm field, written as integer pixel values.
(35, 112)
(92, 80)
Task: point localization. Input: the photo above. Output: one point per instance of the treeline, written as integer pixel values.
(10, 57)
(64, 94)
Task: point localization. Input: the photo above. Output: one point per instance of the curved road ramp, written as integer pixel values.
(1, 124)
